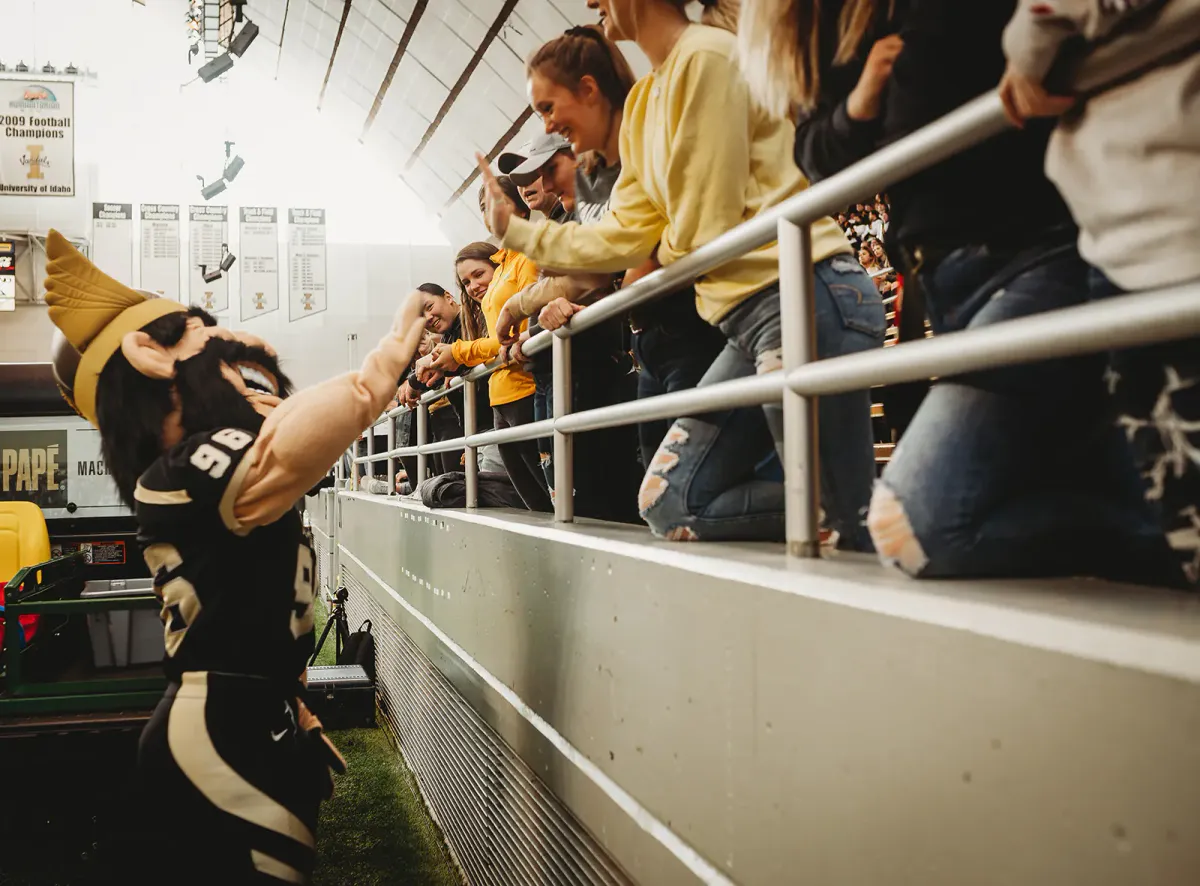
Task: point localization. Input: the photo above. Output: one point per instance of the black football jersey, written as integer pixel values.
(233, 600)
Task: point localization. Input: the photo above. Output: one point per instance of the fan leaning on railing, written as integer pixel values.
(1121, 322)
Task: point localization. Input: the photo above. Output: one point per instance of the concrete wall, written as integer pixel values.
(714, 713)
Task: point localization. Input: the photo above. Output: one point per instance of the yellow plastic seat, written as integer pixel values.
(24, 539)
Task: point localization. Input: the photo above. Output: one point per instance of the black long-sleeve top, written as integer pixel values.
(483, 408)
(995, 192)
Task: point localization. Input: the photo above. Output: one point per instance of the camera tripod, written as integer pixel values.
(337, 616)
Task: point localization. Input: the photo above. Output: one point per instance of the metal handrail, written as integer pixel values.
(974, 122)
(1118, 322)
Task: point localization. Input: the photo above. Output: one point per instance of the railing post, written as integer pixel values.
(369, 466)
(564, 449)
(801, 470)
(470, 453)
(391, 459)
(422, 439)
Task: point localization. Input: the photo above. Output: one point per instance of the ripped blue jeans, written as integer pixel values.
(1015, 471)
(703, 482)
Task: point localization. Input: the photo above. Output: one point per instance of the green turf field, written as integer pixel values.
(376, 830)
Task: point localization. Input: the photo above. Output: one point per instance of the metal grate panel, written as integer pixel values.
(503, 824)
(323, 552)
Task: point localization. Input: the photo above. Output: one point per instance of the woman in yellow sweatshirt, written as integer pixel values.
(698, 158)
(490, 276)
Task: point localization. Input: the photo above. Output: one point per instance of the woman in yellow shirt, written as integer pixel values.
(698, 157)
(490, 276)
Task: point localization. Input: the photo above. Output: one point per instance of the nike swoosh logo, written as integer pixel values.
(278, 736)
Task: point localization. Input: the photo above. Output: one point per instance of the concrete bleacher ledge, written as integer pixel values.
(717, 713)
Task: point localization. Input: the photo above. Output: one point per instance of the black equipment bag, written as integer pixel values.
(343, 695)
(360, 650)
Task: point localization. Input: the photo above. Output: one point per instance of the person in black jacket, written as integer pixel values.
(1011, 471)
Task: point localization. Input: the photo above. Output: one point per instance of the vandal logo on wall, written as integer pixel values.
(33, 467)
(37, 138)
(37, 96)
(35, 161)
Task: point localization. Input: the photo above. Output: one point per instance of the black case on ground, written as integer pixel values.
(342, 696)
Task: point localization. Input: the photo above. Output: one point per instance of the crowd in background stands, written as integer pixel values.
(1014, 471)
(865, 225)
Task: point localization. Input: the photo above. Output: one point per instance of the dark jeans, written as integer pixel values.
(543, 408)
(1018, 470)
(521, 460)
(607, 472)
(671, 356)
(443, 425)
(704, 481)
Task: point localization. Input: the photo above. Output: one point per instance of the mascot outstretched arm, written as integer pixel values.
(210, 448)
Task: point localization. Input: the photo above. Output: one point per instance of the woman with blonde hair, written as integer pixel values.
(699, 158)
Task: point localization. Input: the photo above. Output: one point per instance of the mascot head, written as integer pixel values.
(149, 372)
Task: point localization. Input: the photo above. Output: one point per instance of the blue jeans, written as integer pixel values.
(1016, 471)
(705, 481)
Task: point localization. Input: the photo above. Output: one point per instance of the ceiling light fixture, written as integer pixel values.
(210, 191)
(233, 164)
(210, 276)
(227, 261)
(211, 70)
(239, 44)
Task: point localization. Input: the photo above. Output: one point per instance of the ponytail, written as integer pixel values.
(585, 52)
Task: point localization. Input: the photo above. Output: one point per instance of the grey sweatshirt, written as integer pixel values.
(1128, 162)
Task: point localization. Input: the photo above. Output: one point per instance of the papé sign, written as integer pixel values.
(33, 467)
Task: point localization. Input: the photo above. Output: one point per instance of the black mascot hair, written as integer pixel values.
(132, 409)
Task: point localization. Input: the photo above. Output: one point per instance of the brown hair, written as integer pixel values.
(780, 48)
(511, 191)
(585, 52)
(473, 322)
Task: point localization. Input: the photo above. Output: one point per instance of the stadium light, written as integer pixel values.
(211, 70)
(239, 44)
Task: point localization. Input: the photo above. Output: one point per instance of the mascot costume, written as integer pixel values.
(212, 452)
